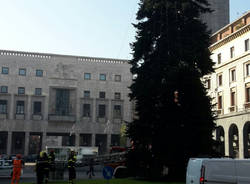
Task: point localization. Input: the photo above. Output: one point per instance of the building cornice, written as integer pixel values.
(49, 56)
(230, 37)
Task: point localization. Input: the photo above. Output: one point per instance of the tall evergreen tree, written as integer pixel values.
(174, 120)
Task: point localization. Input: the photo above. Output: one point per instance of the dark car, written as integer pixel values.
(30, 158)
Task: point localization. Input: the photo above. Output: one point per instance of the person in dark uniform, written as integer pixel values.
(39, 168)
(52, 163)
(42, 168)
(71, 167)
(46, 167)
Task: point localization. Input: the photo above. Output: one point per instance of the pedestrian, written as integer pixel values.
(46, 167)
(71, 167)
(17, 168)
(42, 168)
(52, 163)
(90, 172)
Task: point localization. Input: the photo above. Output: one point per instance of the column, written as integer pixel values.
(108, 142)
(26, 143)
(241, 142)
(77, 139)
(9, 143)
(226, 141)
(93, 140)
(44, 140)
(29, 110)
(110, 111)
(12, 107)
(78, 105)
(94, 107)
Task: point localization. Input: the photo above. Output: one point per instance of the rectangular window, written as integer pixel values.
(219, 58)
(38, 91)
(3, 106)
(20, 107)
(248, 69)
(118, 78)
(39, 73)
(102, 77)
(220, 80)
(248, 94)
(232, 98)
(87, 76)
(37, 108)
(247, 45)
(86, 94)
(62, 102)
(233, 75)
(21, 90)
(86, 110)
(117, 111)
(22, 71)
(102, 111)
(208, 83)
(117, 96)
(5, 70)
(102, 94)
(4, 89)
(231, 52)
(220, 102)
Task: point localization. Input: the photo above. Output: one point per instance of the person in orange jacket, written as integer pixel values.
(17, 168)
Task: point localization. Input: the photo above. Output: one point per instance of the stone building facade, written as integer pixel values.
(229, 86)
(61, 100)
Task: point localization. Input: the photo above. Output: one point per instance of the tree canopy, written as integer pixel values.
(174, 120)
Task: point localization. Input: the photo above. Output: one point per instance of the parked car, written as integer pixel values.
(4, 157)
(6, 168)
(31, 158)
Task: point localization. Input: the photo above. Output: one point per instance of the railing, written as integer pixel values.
(58, 117)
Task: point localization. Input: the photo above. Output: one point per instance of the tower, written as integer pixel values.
(219, 17)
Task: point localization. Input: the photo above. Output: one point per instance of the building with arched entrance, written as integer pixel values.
(229, 87)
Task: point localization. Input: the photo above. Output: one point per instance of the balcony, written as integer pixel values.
(247, 105)
(20, 116)
(59, 117)
(37, 117)
(232, 109)
(117, 120)
(86, 118)
(3, 116)
(102, 119)
(219, 111)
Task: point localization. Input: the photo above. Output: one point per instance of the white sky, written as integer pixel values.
(75, 27)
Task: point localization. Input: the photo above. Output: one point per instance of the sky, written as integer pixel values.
(94, 28)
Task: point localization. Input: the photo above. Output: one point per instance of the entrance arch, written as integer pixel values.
(233, 141)
(246, 139)
(220, 138)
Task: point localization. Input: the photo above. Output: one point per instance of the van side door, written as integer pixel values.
(243, 171)
(220, 171)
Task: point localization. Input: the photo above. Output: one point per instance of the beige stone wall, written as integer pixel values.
(67, 72)
(237, 114)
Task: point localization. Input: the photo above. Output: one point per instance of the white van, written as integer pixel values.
(218, 171)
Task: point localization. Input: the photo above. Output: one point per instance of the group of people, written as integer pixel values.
(45, 165)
